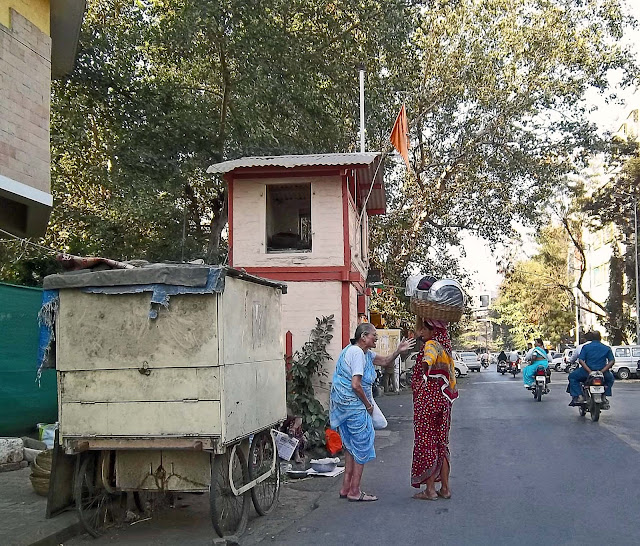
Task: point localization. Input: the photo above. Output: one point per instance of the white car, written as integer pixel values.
(460, 367)
(557, 362)
(471, 359)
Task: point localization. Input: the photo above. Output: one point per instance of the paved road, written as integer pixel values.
(523, 473)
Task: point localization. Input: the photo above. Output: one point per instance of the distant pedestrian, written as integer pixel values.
(434, 390)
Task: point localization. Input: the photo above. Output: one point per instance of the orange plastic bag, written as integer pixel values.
(333, 441)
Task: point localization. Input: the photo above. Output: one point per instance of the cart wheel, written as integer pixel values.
(262, 457)
(95, 505)
(229, 513)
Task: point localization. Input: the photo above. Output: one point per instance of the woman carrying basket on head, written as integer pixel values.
(434, 390)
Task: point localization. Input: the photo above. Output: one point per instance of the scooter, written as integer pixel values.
(485, 364)
(593, 392)
(502, 367)
(541, 385)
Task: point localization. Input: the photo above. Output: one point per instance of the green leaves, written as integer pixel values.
(307, 363)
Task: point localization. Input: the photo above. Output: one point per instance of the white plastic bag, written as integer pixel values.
(378, 418)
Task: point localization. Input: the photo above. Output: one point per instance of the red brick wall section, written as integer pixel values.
(25, 87)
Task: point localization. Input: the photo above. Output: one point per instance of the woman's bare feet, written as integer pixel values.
(426, 495)
(444, 493)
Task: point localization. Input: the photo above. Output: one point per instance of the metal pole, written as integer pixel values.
(362, 108)
(635, 218)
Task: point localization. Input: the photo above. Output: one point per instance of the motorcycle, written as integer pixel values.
(541, 385)
(593, 392)
(485, 364)
(514, 368)
(502, 367)
(377, 387)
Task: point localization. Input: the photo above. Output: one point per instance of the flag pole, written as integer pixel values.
(361, 68)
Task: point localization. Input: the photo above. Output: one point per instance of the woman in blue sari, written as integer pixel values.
(538, 357)
(351, 405)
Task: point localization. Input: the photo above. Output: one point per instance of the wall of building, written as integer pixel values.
(25, 70)
(36, 11)
(358, 239)
(303, 302)
(249, 224)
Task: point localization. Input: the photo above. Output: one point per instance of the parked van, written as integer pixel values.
(626, 357)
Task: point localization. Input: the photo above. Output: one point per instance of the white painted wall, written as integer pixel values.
(303, 302)
(249, 224)
(356, 230)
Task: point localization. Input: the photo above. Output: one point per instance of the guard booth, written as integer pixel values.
(304, 219)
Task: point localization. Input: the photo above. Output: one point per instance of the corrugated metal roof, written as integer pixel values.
(290, 161)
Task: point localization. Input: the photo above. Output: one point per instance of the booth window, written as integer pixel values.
(289, 218)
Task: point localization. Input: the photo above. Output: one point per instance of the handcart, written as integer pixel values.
(170, 379)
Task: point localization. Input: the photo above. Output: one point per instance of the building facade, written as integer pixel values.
(304, 220)
(38, 40)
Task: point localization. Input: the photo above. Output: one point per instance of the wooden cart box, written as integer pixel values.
(200, 373)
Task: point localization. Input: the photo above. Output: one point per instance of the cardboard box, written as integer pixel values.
(285, 444)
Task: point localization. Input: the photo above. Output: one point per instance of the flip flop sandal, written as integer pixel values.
(442, 495)
(362, 496)
(422, 496)
(343, 496)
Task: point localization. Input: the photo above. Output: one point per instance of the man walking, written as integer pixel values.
(593, 356)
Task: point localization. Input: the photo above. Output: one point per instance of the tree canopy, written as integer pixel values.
(162, 88)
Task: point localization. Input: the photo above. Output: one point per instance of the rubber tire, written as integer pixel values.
(623, 374)
(538, 393)
(582, 411)
(270, 486)
(220, 487)
(595, 412)
(502, 373)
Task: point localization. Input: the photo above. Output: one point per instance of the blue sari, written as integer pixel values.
(347, 413)
(529, 371)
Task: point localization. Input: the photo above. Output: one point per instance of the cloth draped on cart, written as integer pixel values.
(347, 413)
(433, 395)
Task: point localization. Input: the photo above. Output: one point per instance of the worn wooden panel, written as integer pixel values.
(254, 397)
(162, 384)
(98, 331)
(166, 469)
(249, 224)
(251, 326)
(140, 419)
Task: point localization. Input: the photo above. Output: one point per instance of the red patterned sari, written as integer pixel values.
(433, 393)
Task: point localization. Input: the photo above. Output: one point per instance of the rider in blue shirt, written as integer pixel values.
(593, 356)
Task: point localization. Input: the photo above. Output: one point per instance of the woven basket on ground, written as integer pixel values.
(40, 485)
(36, 470)
(44, 459)
(437, 311)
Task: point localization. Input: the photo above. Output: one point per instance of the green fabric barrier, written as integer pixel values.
(23, 403)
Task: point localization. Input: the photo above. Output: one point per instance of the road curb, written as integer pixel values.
(58, 537)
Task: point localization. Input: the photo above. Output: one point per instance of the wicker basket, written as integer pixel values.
(40, 485)
(39, 472)
(437, 311)
(44, 459)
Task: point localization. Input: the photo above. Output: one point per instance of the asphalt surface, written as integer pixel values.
(523, 472)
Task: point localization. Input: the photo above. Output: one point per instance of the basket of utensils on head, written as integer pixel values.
(435, 299)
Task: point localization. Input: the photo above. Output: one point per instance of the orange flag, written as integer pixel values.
(400, 136)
